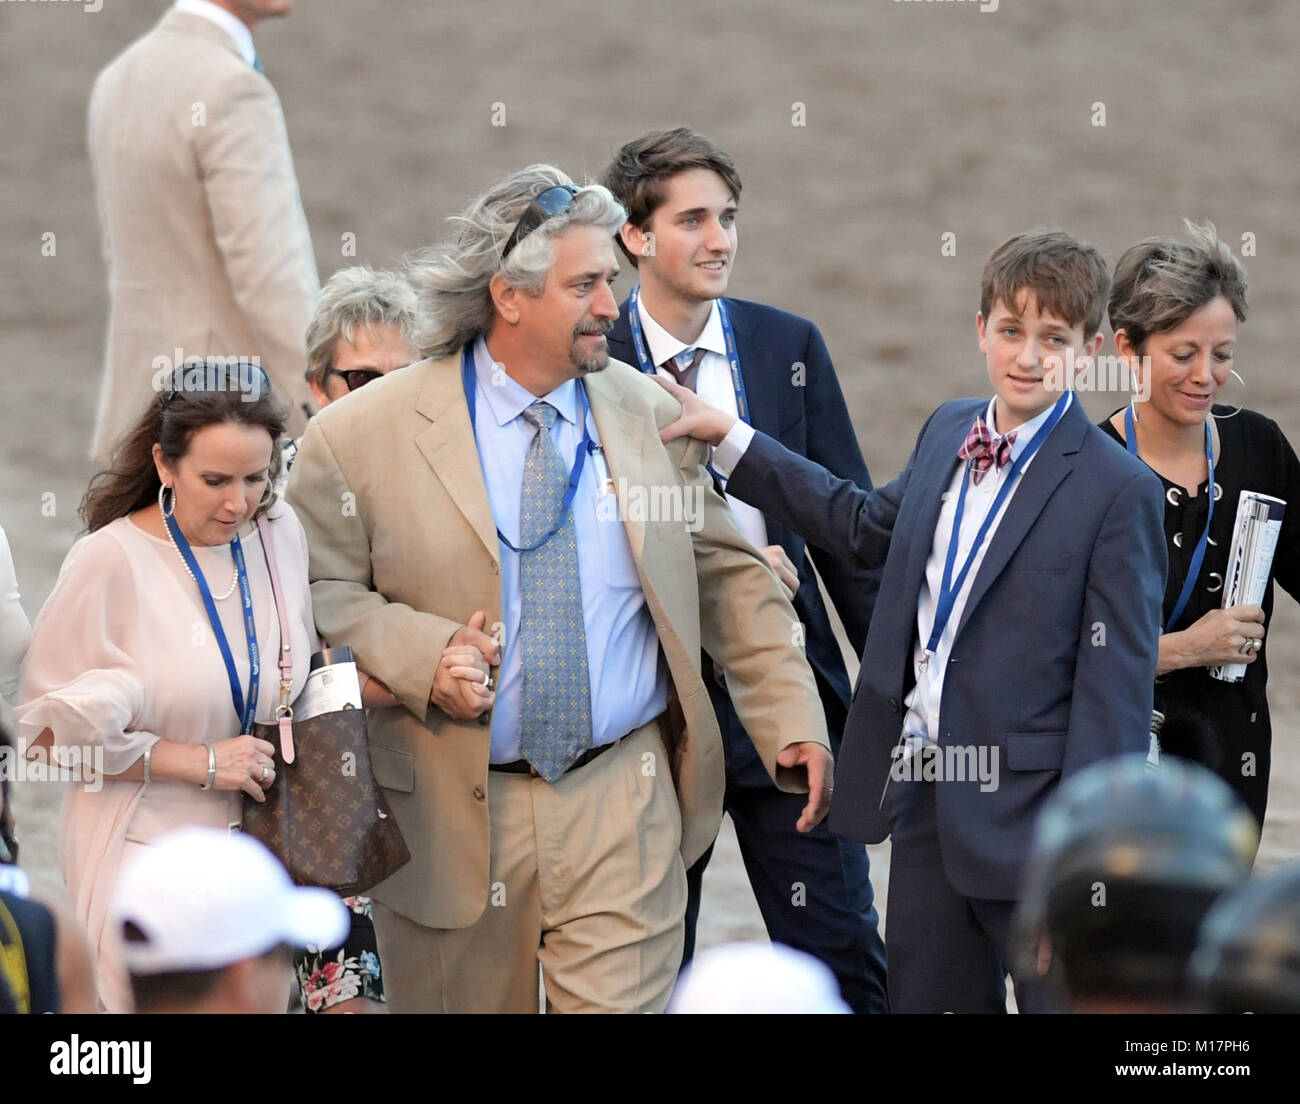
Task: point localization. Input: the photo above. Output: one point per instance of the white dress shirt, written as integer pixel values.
(712, 384)
(921, 724)
(231, 24)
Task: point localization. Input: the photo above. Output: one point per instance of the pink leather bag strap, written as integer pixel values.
(284, 711)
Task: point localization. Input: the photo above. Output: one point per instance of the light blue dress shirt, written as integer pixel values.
(628, 686)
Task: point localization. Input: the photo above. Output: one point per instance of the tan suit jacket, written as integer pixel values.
(203, 230)
(404, 550)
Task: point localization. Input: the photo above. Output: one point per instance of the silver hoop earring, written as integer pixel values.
(1225, 417)
(162, 491)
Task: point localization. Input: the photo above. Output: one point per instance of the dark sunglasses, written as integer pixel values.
(546, 205)
(203, 376)
(355, 377)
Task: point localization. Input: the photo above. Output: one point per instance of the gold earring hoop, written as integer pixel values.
(162, 491)
(1240, 406)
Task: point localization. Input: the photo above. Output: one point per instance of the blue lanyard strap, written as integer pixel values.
(729, 336)
(586, 445)
(950, 588)
(244, 708)
(1198, 556)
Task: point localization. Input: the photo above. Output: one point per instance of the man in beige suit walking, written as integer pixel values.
(203, 229)
(517, 473)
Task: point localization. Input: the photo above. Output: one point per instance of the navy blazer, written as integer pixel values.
(1054, 659)
(811, 420)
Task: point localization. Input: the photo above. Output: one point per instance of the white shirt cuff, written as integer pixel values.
(732, 449)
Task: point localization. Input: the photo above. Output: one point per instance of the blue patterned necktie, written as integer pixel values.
(556, 714)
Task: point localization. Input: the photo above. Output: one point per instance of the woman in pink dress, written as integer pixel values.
(147, 651)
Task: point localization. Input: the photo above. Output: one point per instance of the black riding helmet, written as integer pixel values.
(1248, 956)
(1126, 861)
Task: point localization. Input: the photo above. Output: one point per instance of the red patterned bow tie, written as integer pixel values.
(982, 449)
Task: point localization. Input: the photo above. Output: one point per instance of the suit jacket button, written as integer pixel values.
(478, 793)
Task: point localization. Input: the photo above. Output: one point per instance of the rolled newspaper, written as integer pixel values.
(1250, 559)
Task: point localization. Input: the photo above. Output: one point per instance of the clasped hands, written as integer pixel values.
(462, 686)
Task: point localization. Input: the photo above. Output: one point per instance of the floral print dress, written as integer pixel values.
(326, 978)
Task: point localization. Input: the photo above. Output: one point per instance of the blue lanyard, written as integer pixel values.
(729, 336)
(1198, 557)
(586, 445)
(244, 709)
(950, 588)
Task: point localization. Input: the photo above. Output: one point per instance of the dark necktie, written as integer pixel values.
(688, 375)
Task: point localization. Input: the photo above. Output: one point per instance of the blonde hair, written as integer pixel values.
(352, 299)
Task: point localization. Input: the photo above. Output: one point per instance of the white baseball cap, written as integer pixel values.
(757, 977)
(205, 899)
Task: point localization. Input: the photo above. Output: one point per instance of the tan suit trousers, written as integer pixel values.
(587, 882)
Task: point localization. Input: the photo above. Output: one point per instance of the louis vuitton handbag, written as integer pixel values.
(324, 817)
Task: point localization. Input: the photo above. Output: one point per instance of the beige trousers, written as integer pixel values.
(587, 882)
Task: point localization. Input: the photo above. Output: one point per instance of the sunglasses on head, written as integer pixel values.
(545, 205)
(355, 377)
(200, 376)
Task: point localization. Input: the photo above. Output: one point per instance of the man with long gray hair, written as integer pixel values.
(515, 482)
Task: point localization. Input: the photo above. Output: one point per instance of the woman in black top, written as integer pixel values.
(1176, 305)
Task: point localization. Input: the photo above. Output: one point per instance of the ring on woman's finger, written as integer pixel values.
(488, 681)
(266, 772)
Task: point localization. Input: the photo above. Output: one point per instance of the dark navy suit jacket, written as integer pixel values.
(1054, 659)
(810, 420)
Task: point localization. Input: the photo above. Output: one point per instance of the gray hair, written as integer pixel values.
(1159, 283)
(356, 298)
(451, 278)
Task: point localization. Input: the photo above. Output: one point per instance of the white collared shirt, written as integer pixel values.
(231, 24)
(712, 384)
(921, 724)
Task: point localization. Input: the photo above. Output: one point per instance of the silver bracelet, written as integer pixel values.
(148, 756)
(212, 768)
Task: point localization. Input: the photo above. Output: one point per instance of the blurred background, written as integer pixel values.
(864, 131)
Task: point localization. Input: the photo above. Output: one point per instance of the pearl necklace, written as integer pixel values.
(219, 597)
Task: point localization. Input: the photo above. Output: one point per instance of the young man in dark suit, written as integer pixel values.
(1015, 635)
(771, 369)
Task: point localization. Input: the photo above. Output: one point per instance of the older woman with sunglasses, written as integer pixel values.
(1174, 307)
(363, 328)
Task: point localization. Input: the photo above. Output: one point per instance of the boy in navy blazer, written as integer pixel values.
(772, 368)
(997, 662)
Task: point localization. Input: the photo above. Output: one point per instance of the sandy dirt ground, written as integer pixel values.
(918, 120)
